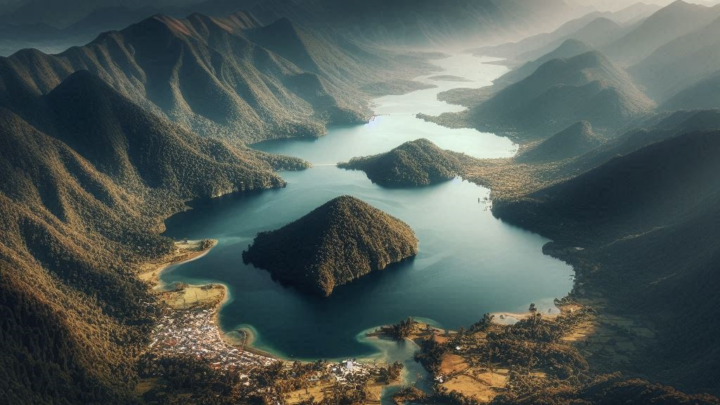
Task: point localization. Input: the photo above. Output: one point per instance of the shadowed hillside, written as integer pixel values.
(680, 63)
(597, 29)
(417, 23)
(335, 244)
(416, 163)
(208, 75)
(568, 49)
(586, 87)
(83, 195)
(598, 33)
(673, 21)
(571, 142)
(703, 95)
(648, 219)
(610, 389)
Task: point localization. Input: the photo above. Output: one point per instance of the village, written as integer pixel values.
(193, 332)
(186, 328)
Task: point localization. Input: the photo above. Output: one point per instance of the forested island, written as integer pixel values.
(337, 243)
(412, 164)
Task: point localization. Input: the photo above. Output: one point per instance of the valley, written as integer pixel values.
(234, 222)
(315, 202)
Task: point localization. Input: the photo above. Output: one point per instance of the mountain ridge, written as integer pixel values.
(85, 189)
(586, 87)
(172, 66)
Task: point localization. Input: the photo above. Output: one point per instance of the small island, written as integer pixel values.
(412, 164)
(335, 244)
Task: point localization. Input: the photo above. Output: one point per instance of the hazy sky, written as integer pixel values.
(618, 4)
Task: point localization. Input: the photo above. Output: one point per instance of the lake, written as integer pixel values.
(470, 263)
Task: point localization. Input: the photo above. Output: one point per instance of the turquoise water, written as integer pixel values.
(469, 263)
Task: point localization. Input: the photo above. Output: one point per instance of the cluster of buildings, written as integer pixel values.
(194, 332)
(349, 370)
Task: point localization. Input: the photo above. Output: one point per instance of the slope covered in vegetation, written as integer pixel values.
(86, 185)
(567, 49)
(337, 243)
(645, 223)
(415, 163)
(587, 87)
(225, 77)
(572, 142)
(563, 91)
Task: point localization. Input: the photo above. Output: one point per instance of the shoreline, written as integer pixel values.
(186, 252)
(192, 329)
(231, 337)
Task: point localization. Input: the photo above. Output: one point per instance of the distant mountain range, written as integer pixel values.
(701, 95)
(213, 76)
(680, 63)
(596, 28)
(560, 92)
(673, 21)
(402, 22)
(597, 33)
(568, 49)
(673, 56)
(648, 218)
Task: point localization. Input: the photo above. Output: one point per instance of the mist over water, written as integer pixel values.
(469, 263)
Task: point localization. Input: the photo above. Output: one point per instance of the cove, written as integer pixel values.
(469, 263)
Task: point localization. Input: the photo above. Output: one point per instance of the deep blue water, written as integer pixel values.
(469, 263)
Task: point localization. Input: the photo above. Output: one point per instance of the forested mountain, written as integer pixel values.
(567, 49)
(586, 87)
(415, 23)
(596, 29)
(658, 128)
(512, 50)
(598, 33)
(17, 35)
(574, 141)
(680, 63)
(335, 244)
(209, 75)
(673, 21)
(87, 179)
(648, 220)
(702, 95)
